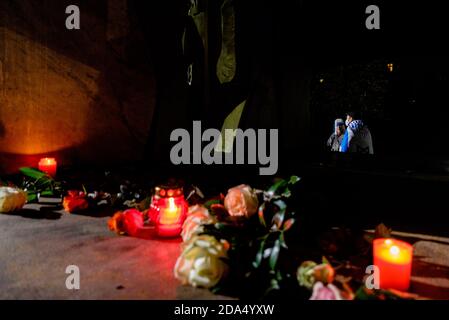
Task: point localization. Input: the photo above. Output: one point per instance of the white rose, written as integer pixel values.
(196, 218)
(11, 199)
(201, 263)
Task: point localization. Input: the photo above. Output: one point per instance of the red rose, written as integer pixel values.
(132, 221)
(75, 201)
(128, 222)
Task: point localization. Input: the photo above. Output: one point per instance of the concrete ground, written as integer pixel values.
(37, 244)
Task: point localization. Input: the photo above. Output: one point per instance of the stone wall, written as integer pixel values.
(84, 96)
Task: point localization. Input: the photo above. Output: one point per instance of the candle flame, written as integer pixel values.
(388, 242)
(171, 214)
(394, 250)
(171, 204)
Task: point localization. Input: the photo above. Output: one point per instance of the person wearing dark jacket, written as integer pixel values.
(336, 137)
(357, 138)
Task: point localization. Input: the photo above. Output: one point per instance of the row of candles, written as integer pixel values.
(169, 209)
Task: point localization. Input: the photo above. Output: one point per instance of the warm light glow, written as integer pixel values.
(49, 98)
(168, 211)
(48, 165)
(171, 214)
(49, 161)
(390, 67)
(394, 250)
(394, 260)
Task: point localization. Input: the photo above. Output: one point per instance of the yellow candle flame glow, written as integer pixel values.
(171, 204)
(394, 250)
(170, 214)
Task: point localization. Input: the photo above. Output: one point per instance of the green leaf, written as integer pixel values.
(209, 203)
(32, 173)
(278, 218)
(281, 205)
(287, 193)
(325, 261)
(294, 179)
(43, 183)
(282, 240)
(31, 197)
(274, 285)
(261, 215)
(279, 276)
(275, 254)
(259, 256)
(363, 294)
(221, 226)
(47, 193)
(275, 187)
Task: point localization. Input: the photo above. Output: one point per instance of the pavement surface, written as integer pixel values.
(38, 243)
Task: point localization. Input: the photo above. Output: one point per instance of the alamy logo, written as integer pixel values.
(72, 22)
(72, 282)
(372, 281)
(372, 22)
(190, 150)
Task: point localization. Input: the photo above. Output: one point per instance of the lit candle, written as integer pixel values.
(394, 260)
(48, 165)
(171, 214)
(168, 211)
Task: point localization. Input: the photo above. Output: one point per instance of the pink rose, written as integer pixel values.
(241, 201)
(325, 292)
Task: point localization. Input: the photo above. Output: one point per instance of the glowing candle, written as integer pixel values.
(168, 211)
(171, 214)
(48, 165)
(394, 260)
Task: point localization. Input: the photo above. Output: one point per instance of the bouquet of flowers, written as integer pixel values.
(245, 244)
(239, 238)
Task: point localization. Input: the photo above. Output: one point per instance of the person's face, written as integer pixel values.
(348, 119)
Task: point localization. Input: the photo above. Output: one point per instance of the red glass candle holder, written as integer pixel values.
(48, 165)
(394, 260)
(168, 211)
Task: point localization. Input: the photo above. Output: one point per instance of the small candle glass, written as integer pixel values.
(168, 211)
(394, 260)
(48, 165)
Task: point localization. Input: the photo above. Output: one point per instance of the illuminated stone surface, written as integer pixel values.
(82, 95)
